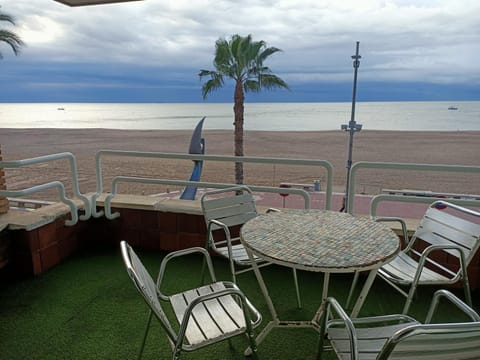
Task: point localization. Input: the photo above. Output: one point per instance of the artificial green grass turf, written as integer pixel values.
(88, 308)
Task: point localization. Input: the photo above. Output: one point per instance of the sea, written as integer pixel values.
(321, 116)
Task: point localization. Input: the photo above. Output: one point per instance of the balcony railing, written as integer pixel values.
(89, 203)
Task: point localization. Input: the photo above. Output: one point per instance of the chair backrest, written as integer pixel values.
(435, 341)
(231, 206)
(449, 224)
(145, 285)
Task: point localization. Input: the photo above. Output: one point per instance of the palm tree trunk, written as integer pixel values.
(238, 110)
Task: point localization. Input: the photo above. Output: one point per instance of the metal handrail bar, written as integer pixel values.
(52, 157)
(416, 199)
(33, 202)
(123, 179)
(51, 185)
(259, 160)
(405, 166)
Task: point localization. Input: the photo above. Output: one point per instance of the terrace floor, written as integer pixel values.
(88, 308)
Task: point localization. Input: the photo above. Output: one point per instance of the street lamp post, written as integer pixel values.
(352, 127)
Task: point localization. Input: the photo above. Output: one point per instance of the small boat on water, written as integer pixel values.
(452, 108)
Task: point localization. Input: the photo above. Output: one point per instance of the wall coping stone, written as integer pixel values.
(29, 220)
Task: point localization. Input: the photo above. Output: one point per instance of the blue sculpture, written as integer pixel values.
(197, 146)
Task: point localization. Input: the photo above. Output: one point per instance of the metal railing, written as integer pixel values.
(90, 203)
(126, 179)
(258, 160)
(463, 169)
(52, 185)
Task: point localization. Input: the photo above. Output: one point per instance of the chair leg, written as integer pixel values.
(176, 354)
(322, 335)
(147, 328)
(202, 278)
(232, 270)
(409, 300)
(204, 263)
(253, 345)
(466, 287)
(297, 290)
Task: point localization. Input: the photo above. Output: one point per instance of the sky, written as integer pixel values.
(153, 50)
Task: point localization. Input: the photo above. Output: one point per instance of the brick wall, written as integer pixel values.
(38, 250)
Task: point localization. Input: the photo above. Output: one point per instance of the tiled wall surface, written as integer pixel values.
(36, 251)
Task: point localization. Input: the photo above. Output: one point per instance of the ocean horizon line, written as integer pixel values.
(271, 116)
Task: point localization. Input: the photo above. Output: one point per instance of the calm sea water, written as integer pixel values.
(422, 116)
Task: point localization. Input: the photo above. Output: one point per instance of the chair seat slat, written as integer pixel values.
(235, 209)
(404, 267)
(447, 345)
(193, 334)
(458, 343)
(440, 216)
(450, 234)
(234, 311)
(222, 202)
(239, 254)
(228, 319)
(226, 312)
(202, 316)
(462, 241)
(370, 339)
(233, 220)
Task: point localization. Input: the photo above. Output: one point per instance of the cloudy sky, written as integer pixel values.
(152, 50)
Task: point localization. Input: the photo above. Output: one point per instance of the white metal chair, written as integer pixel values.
(445, 228)
(205, 315)
(225, 211)
(401, 336)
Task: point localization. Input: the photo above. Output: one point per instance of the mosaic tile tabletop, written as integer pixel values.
(320, 240)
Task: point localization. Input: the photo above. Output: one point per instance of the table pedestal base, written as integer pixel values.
(315, 323)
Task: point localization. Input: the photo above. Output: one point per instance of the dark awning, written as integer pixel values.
(90, 2)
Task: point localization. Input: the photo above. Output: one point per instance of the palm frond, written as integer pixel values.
(270, 81)
(204, 73)
(215, 82)
(266, 53)
(11, 39)
(8, 18)
(251, 86)
(241, 59)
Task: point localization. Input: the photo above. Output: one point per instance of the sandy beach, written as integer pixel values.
(461, 148)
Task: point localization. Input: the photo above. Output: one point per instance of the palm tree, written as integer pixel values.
(9, 37)
(240, 59)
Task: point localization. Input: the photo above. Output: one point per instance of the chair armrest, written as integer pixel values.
(179, 253)
(426, 252)
(225, 229)
(331, 302)
(258, 317)
(455, 301)
(406, 241)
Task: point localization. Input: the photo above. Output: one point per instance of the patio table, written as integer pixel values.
(320, 241)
